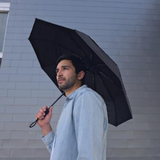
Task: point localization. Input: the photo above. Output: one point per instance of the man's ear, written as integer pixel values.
(81, 74)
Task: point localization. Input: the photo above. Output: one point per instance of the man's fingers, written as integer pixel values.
(51, 108)
(41, 113)
(44, 107)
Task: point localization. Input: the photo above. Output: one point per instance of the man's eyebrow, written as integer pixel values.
(63, 67)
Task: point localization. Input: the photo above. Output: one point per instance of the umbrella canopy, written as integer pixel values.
(50, 41)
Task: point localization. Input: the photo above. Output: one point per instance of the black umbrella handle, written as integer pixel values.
(33, 123)
(46, 112)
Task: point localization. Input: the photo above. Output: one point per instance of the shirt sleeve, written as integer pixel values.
(48, 140)
(90, 126)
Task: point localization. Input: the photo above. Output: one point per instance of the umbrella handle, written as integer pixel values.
(35, 122)
(46, 112)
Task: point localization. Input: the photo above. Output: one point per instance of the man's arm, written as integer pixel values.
(44, 124)
(48, 140)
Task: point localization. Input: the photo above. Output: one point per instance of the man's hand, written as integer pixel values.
(44, 121)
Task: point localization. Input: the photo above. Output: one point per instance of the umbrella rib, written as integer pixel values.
(58, 44)
(82, 49)
(99, 73)
(108, 77)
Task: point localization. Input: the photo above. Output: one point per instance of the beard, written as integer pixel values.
(67, 83)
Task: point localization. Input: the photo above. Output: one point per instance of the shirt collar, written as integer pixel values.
(72, 95)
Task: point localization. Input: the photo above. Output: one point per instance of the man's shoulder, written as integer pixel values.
(87, 91)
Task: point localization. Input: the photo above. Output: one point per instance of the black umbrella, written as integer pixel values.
(51, 41)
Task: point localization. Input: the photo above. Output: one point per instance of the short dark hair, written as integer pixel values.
(76, 61)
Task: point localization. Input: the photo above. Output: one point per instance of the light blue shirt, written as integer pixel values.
(82, 128)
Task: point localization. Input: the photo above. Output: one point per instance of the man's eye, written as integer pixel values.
(56, 70)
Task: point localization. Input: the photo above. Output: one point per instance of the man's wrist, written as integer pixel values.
(46, 129)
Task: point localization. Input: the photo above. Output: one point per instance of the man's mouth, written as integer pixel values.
(61, 80)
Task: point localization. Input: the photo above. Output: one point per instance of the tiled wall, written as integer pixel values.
(127, 30)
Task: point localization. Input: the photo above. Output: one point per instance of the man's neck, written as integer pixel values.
(70, 90)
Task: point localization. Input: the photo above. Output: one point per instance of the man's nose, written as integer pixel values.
(59, 73)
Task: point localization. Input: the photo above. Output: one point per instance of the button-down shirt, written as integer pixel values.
(82, 128)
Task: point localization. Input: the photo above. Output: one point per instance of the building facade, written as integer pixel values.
(127, 30)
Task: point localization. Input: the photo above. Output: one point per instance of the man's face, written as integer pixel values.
(66, 75)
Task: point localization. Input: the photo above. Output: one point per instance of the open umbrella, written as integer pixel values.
(51, 41)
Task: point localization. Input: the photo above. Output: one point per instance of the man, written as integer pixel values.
(82, 127)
